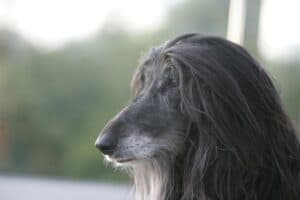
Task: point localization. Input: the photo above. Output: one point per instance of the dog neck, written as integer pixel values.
(154, 180)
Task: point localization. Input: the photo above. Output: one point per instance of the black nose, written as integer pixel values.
(106, 143)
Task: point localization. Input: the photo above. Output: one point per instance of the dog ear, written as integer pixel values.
(237, 126)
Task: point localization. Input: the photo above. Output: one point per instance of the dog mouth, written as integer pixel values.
(124, 160)
(118, 160)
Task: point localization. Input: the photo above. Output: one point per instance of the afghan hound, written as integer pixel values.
(205, 123)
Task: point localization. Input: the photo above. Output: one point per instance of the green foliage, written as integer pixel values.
(60, 101)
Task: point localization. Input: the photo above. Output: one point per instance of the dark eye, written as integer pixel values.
(169, 79)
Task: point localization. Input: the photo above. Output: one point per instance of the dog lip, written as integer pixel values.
(123, 160)
(108, 152)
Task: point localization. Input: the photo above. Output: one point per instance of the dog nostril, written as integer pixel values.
(106, 144)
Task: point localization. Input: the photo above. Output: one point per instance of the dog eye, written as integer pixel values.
(169, 79)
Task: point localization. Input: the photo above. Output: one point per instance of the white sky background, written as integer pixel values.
(53, 23)
(279, 35)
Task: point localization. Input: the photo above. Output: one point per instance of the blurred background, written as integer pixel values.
(65, 67)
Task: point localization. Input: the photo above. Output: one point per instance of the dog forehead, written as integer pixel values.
(153, 67)
(149, 70)
(153, 57)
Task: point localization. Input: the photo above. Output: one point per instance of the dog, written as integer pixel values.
(205, 123)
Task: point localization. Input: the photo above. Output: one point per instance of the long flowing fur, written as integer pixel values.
(151, 179)
(239, 143)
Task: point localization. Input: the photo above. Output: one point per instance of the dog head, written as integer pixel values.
(197, 92)
(153, 122)
(192, 91)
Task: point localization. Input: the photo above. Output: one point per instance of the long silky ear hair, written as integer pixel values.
(241, 144)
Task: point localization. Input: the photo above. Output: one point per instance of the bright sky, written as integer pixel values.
(52, 23)
(279, 36)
